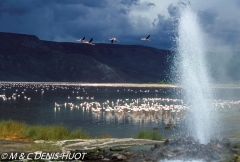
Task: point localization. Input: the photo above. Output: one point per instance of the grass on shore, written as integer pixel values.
(151, 135)
(10, 129)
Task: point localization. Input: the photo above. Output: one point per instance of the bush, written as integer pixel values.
(12, 129)
(46, 132)
(17, 130)
(152, 135)
(79, 134)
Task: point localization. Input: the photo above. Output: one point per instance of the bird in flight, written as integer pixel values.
(147, 38)
(81, 40)
(113, 40)
(90, 42)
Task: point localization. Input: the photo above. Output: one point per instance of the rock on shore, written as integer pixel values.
(138, 150)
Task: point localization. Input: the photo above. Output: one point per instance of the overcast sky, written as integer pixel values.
(127, 20)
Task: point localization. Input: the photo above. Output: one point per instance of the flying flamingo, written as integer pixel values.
(113, 40)
(90, 42)
(147, 38)
(81, 40)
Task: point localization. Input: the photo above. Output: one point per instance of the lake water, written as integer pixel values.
(117, 111)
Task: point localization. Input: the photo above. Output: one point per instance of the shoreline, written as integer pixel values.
(85, 145)
(122, 149)
(95, 84)
(140, 85)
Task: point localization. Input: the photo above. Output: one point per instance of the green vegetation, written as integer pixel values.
(57, 132)
(104, 136)
(149, 134)
(11, 129)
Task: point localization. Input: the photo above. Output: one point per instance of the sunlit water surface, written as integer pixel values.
(116, 111)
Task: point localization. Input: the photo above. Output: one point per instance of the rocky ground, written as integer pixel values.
(128, 149)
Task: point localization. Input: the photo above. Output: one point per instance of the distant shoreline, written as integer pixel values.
(96, 84)
(116, 84)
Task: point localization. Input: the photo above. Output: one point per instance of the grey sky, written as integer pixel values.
(128, 20)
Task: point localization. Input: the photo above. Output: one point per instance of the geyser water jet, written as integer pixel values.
(194, 78)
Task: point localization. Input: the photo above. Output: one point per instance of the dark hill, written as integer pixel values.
(26, 58)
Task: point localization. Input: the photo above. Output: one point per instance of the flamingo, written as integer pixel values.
(81, 40)
(90, 42)
(113, 40)
(147, 38)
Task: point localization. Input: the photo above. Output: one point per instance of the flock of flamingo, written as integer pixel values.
(111, 39)
(141, 110)
(136, 110)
